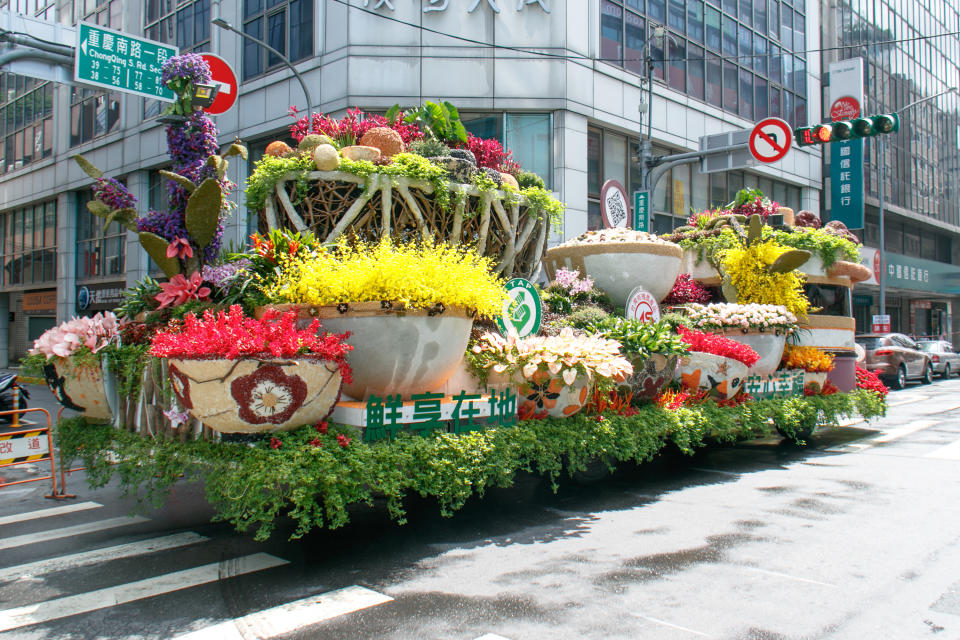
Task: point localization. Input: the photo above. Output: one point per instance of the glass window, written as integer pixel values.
(636, 4)
(677, 65)
(776, 63)
(761, 106)
(614, 157)
(695, 20)
(746, 94)
(730, 80)
(786, 28)
(718, 189)
(799, 40)
(611, 33)
(657, 10)
(279, 23)
(746, 12)
(760, 55)
(29, 244)
(26, 122)
(746, 46)
(635, 39)
(483, 125)
(100, 252)
(594, 161)
(712, 20)
(734, 184)
(730, 6)
(760, 15)
(677, 16)
(729, 36)
(714, 85)
(799, 75)
(528, 136)
(695, 75)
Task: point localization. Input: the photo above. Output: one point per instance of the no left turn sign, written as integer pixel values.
(770, 140)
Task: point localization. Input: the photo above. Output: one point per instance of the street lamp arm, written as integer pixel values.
(927, 99)
(223, 24)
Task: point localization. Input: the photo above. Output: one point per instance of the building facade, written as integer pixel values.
(558, 82)
(906, 60)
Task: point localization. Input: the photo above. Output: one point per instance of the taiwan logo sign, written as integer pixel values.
(522, 311)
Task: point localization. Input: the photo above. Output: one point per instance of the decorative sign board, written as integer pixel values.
(846, 156)
(614, 206)
(523, 310)
(642, 306)
(779, 384)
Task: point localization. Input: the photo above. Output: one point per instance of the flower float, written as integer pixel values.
(70, 363)
(717, 364)
(240, 374)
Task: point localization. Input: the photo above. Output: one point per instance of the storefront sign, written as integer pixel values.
(100, 297)
(40, 303)
(846, 157)
(905, 272)
(880, 323)
(613, 205)
(862, 300)
(523, 310)
(642, 306)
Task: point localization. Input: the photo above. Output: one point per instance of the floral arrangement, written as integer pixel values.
(349, 129)
(871, 382)
(231, 335)
(749, 271)
(181, 74)
(810, 359)
(640, 340)
(703, 342)
(113, 193)
(726, 315)
(180, 290)
(686, 290)
(76, 335)
(616, 234)
(750, 202)
(571, 282)
(568, 293)
(567, 354)
(417, 276)
(830, 247)
(491, 154)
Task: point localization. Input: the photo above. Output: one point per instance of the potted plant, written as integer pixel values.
(238, 374)
(652, 348)
(555, 373)
(408, 307)
(717, 364)
(762, 327)
(816, 364)
(618, 260)
(71, 364)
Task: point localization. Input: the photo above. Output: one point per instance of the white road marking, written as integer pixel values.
(491, 636)
(908, 400)
(948, 452)
(883, 436)
(790, 577)
(292, 616)
(68, 532)
(672, 626)
(132, 591)
(47, 513)
(87, 558)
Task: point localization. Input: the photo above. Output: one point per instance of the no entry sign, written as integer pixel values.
(770, 140)
(221, 74)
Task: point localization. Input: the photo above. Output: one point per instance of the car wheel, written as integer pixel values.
(901, 380)
(927, 375)
(946, 372)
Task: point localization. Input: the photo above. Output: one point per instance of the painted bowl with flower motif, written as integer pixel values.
(813, 381)
(721, 377)
(651, 375)
(395, 350)
(619, 267)
(769, 345)
(544, 394)
(78, 386)
(250, 395)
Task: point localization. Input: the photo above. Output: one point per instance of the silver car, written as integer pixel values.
(945, 360)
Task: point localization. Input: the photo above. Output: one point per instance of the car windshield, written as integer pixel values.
(871, 343)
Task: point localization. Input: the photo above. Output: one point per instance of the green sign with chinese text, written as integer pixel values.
(121, 61)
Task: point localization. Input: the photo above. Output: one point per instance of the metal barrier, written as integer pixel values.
(27, 446)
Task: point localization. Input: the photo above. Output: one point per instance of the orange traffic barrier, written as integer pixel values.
(26, 446)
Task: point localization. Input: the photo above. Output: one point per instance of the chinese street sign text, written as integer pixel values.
(120, 61)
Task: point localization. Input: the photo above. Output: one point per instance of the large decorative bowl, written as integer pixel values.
(650, 375)
(395, 350)
(831, 333)
(544, 394)
(721, 377)
(697, 268)
(768, 344)
(249, 395)
(619, 267)
(78, 387)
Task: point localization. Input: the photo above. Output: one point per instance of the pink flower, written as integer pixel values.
(179, 290)
(179, 248)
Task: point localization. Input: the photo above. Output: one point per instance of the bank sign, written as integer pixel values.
(906, 272)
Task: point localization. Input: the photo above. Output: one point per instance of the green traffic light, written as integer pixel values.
(841, 130)
(863, 127)
(886, 123)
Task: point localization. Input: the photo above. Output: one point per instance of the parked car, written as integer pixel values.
(945, 360)
(896, 358)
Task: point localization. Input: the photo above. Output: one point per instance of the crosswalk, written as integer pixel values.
(932, 442)
(163, 550)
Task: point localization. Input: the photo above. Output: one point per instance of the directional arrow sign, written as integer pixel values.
(770, 140)
(121, 61)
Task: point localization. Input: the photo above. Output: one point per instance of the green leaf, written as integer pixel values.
(203, 212)
(755, 230)
(219, 164)
(156, 248)
(459, 131)
(236, 149)
(186, 183)
(127, 217)
(789, 261)
(98, 208)
(451, 111)
(392, 113)
(87, 167)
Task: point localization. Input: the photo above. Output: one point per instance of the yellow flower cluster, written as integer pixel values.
(418, 275)
(809, 359)
(747, 268)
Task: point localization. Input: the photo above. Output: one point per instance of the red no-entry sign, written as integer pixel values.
(223, 75)
(770, 140)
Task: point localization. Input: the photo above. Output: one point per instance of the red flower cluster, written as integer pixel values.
(686, 290)
(718, 346)
(233, 335)
(351, 127)
(756, 206)
(869, 381)
(490, 153)
(671, 400)
(735, 401)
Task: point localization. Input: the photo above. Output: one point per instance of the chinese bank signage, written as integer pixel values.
(905, 272)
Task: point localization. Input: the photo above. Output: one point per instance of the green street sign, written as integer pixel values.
(641, 211)
(122, 62)
(523, 310)
(846, 183)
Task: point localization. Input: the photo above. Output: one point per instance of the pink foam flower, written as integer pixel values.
(180, 289)
(179, 248)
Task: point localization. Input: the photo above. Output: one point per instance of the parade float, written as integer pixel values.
(374, 339)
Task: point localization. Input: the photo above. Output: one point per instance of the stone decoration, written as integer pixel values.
(326, 158)
(385, 139)
(508, 180)
(458, 169)
(359, 152)
(277, 148)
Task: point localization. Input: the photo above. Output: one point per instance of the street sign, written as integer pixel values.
(523, 310)
(846, 182)
(221, 73)
(641, 211)
(23, 447)
(642, 306)
(613, 205)
(770, 140)
(121, 61)
(731, 160)
(880, 324)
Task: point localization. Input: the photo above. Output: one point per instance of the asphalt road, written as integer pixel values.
(855, 536)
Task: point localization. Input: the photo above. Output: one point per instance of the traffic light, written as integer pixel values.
(847, 129)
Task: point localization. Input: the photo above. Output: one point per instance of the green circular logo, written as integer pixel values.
(522, 311)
